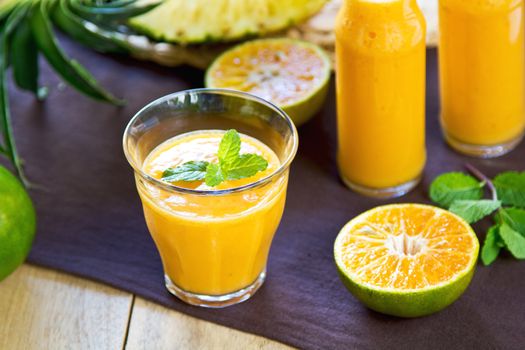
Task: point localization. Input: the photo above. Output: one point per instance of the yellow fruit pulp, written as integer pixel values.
(406, 247)
(282, 71)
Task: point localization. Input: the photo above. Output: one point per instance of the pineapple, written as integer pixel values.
(199, 21)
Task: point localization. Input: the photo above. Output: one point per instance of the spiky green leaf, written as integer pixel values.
(85, 32)
(70, 70)
(24, 57)
(9, 147)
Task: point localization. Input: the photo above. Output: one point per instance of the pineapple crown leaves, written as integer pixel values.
(27, 32)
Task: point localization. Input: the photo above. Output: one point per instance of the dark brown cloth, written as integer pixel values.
(90, 221)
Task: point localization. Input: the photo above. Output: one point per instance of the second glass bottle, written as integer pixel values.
(381, 56)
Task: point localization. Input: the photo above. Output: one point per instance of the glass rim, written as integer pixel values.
(219, 91)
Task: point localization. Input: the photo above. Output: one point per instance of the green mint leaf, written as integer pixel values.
(214, 175)
(245, 166)
(449, 187)
(189, 171)
(231, 165)
(514, 217)
(229, 147)
(514, 241)
(473, 211)
(491, 246)
(511, 188)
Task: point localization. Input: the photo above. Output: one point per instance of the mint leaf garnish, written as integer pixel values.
(189, 171)
(513, 240)
(513, 217)
(511, 188)
(231, 166)
(245, 165)
(229, 147)
(474, 210)
(214, 175)
(491, 246)
(447, 188)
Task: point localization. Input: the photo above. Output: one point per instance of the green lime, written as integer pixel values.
(17, 223)
(290, 73)
(406, 260)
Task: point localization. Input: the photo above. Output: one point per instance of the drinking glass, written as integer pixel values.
(213, 244)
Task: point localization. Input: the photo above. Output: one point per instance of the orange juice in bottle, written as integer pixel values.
(482, 64)
(381, 57)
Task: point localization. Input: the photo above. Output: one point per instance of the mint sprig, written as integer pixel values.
(232, 165)
(463, 195)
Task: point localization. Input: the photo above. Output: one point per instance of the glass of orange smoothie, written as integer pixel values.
(213, 240)
(482, 68)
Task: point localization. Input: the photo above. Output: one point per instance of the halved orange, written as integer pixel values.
(406, 260)
(290, 73)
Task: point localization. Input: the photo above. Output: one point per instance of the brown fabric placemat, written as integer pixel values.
(91, 223)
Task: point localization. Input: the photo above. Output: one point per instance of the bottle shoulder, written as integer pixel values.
(387, 34)
(481, 7)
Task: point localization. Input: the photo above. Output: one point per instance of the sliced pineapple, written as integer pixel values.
(6, 5)
(198, 21)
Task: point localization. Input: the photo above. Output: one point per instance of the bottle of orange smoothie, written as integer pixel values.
(482, 64)
(381, 56)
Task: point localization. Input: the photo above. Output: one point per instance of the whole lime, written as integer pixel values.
(17, 223)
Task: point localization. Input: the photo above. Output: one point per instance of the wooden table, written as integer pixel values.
(45, 309)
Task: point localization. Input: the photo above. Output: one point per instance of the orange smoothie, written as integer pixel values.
(381, 56)
(482, 71)
(212, 244)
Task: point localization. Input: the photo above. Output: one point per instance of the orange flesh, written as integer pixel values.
(277, 71)
(408, 247)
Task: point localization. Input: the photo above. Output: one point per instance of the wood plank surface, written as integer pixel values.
(159, 328)
(44, 309)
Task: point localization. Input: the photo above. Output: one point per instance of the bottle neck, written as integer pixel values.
(380, 9)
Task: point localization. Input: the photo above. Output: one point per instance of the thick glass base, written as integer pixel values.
(216, 301)
(482, 151)
(389, 192)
